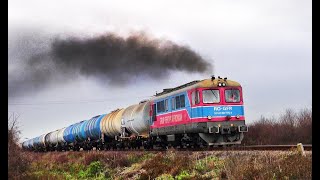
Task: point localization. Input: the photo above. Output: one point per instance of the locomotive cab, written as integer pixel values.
(224, 103)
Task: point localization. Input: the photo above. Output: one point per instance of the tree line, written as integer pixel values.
(290, 127)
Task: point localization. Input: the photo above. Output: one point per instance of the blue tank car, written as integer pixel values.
(92, 127)
(67, 134)
(77, 131)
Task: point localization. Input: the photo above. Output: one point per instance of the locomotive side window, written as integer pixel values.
(154, 112)
(177, 102)
(166, 107)
(160, 106)
(195, 97)
(180, 101)
(232, 95)
(211, 96)
(173, 102)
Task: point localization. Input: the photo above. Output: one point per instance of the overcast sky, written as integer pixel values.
(264, 45)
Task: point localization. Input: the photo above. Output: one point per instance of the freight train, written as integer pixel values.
(200, 113)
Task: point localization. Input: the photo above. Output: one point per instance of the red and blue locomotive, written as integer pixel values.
(207, 112)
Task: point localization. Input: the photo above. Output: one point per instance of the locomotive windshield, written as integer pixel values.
(211, 96)
(232, 95)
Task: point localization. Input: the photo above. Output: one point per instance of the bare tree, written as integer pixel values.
(17, 160)
(289, 128)
(304, 125)
(13, 131)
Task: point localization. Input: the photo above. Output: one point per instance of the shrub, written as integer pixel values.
(94, 170)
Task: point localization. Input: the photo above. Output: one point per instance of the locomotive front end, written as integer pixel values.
(218, 109)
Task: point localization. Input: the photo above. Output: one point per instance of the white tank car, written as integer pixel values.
(42, 142)
(136, 118)
(30, 144)
(52, 138)
(24, 144)
(60, 138)
(110, 125)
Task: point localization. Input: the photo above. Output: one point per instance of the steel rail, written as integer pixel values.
(306, 147)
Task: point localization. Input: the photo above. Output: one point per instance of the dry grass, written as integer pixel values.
(233, 165)
(268, 165)
(166, 162)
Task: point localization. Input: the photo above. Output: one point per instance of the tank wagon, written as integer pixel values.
(196, 114)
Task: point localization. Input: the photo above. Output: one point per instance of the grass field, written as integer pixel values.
(167, 165)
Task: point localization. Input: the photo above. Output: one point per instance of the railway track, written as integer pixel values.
(307, 147)
(254, 147)
(247, 148)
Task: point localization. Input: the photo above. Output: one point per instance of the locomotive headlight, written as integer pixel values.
(223, 84)
(209, 117)
(219, 84)
(238, 116)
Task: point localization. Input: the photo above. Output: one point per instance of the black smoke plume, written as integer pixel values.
(110, 58)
